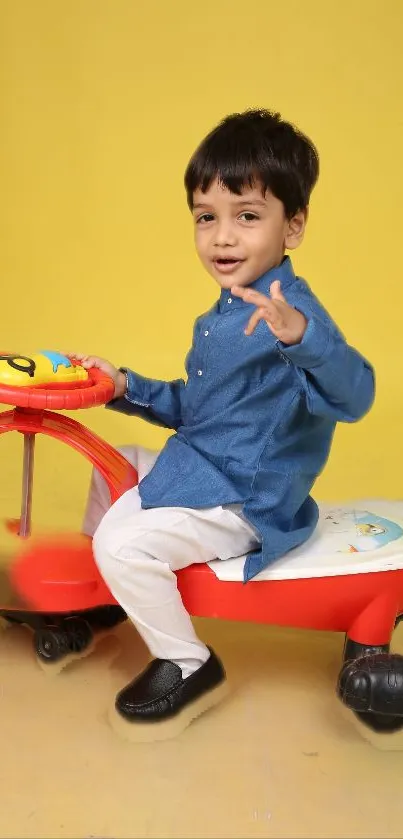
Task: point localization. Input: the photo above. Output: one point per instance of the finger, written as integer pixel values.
(270, 314)
(76, 356)
(249, 295)
(86, 361)
(273, 314)
(253, 321)
(275, 291)
(238, 291)
(91, 361)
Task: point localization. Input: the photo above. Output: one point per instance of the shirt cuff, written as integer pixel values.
(315, 347)
(137, 392)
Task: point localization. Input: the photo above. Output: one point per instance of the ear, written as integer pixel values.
(295, 230)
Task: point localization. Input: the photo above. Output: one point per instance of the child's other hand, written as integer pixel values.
(285, 322)
(88, 361)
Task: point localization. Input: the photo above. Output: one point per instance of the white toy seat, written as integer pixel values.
(359, 538)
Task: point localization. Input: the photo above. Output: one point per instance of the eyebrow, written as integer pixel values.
(253, 202)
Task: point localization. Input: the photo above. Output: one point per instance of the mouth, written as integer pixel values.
(227, 265)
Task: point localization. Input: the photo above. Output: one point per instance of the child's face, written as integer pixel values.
(240, 237)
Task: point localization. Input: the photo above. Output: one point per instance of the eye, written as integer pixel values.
(205, 218)
(248, 217)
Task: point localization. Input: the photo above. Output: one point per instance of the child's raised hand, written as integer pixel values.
(88, 361)
(285, 322)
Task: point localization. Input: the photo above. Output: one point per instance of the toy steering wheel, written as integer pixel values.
(50, 380)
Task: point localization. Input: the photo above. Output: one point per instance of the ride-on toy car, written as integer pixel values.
(55, 588)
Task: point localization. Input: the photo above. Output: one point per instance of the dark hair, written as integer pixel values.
(256, 147)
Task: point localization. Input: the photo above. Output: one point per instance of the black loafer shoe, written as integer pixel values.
(160, 703)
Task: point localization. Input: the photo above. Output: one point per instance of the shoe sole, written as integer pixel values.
(152, 732)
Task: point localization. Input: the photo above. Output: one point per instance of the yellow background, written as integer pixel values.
(102, 103)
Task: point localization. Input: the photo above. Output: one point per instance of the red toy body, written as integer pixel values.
(54, 579)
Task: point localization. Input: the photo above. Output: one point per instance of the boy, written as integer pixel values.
(268, 377)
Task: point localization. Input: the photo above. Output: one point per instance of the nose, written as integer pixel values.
(225, 234)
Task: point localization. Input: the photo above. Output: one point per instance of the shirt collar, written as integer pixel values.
(283, 272)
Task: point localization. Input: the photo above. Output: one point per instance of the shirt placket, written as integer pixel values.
(202, 372)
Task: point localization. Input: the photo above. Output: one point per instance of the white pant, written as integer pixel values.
(137, 552)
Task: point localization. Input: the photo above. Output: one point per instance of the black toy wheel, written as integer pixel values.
(380, 723)
(54, 642)
(353, 650)
(50, 644)
(370, 684)
(78, 633)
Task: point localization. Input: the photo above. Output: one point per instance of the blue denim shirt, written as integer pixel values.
(254, 419)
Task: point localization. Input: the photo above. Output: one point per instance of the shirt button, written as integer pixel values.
(200, 372)
(229, 300)
(206, 333)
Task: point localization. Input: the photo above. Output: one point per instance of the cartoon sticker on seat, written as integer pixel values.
(361, 531)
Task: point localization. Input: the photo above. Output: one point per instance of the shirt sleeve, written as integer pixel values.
(339, 382)
(156, 401)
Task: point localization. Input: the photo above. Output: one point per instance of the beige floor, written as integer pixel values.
(277, 759)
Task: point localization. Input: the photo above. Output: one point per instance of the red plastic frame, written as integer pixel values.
(364, 606)
(119, 474)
